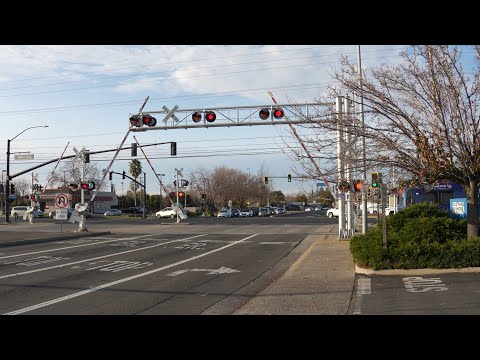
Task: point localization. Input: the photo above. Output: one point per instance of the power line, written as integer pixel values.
(184, 77)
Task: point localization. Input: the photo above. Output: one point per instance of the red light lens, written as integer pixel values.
(210, 116)
(264, 114)
(278, 113)
(196, 117)
(146, 120)
(84, 186)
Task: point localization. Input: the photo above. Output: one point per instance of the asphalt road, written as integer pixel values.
(417, 294)
(143, 272)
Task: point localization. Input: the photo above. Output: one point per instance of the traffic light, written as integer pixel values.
(210, 116)
(91, 185)
(12, 188)
(134, 150)
(73, 186)
(357, 185)
(84, 185)
(197, 116)
(278, 113)
(123, 175)
(265, 180)
(110, 176)
(87, 157)
(376, 179)
(135, 120)
(181, 194)
(173, 149)
(149, 120)
(289, 177)
(264, 114)
(172, 194)
(139, 121)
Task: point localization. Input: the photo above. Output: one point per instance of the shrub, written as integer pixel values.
(421, 236)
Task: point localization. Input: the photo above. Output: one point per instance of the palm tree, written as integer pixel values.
(135, 168)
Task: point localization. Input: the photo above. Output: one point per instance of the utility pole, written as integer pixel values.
(340, 177)
(364, 156)
(144, 193)
(160, 199)
(177, 182)
(348, 167)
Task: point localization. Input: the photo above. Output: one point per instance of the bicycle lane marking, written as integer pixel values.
(96, 258)
(84, 292)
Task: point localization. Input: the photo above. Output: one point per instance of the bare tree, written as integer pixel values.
(22, 187)
(423, 116)
(70, 172)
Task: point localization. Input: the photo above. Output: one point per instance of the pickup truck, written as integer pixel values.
(334, 212)
(390, 210)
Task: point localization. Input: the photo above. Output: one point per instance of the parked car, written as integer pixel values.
(280, 211)
(226, 213)
(235, 212)
(263, 212)
(167, 212)
(19, 211)
(113, 212)
(245, 213)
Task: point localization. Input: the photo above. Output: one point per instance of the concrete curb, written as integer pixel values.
(63, 237)
(360, 270)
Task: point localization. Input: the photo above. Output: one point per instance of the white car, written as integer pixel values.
(333, 212)
(167, 212)
(245, 213)
(224, 213)
(19, 211)
(390, 210)
(113, 212)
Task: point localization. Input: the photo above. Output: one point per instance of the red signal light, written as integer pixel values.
(264, 114)
(181, 194)
(172, 194)
(149, 120)
(135, 121)
(73, 187)
(84, 185)
(196, 117)
(278, 113)
(210, 116)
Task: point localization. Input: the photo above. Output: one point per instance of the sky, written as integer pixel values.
(85, 94)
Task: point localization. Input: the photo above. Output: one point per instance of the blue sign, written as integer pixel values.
(12, 196)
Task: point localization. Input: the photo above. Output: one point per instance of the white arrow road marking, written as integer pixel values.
(222, 270)
(104, 286)
(99, 257)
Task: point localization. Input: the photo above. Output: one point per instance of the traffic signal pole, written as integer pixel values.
(7, 190)
(348, 167)
(341, 169)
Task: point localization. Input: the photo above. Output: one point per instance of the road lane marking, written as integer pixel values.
(36, 260)
(277, 242)
(104, 286)
(75, 246)
(421, 284)
(91, 259)
(364, 287)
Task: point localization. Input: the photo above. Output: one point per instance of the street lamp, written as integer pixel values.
(160, 199)
(7, 190)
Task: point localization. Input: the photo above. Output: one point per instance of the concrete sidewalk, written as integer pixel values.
(320, 282)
